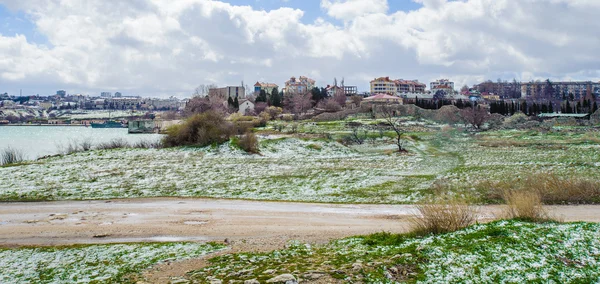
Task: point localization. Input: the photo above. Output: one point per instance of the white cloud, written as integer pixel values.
(349, 9)
(151, 47)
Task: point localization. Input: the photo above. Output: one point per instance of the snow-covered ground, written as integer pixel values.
(91, 264)
(497, 252)
(287, 169)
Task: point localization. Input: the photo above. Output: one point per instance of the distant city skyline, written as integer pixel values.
(161, 49)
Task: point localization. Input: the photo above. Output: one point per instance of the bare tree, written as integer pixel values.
(389, 114)
(476, 116)
(298, 103)
(202, 90)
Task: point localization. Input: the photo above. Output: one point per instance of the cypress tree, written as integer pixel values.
(236, 103)
(230, 102)
(275, 98)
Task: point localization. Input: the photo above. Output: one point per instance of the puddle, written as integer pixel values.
(195, 222)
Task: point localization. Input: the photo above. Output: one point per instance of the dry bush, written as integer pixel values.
(329, 105)
(443, 216)
(10, 156)
(202, 129)
(447, 114)
(525, 205)
(551, 188)
(116, 143)
(147, 144)
(249, 143)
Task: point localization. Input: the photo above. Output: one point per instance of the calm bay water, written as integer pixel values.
(38, 141)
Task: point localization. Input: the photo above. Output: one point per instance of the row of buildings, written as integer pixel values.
(106, 100)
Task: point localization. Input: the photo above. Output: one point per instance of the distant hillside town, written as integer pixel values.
(300, 94)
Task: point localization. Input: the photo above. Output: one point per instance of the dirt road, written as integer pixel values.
(174, 219)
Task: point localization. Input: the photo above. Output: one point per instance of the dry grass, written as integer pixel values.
(551, 188)
(525, 205)
(116, 143)
(10, 156)
(249, 143)
(443, 216)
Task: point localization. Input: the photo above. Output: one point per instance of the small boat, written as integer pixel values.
(109, 124)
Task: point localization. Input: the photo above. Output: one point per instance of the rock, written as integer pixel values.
(269, 271)
(214, 280)
(313, 275)
(283, 279)
(394, 270)
(357, 266)
(179, 281)
(240, 273)
(252, 281)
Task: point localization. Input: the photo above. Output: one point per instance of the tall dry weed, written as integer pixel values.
(526, 205)
(443, 215)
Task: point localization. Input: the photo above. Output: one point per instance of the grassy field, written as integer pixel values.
(311, 165)
(114, 263)
(498, 252)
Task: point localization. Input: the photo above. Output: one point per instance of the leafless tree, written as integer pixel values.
(476, 116)
(202, 90)
(340, 97)
(389, 114)
(298, 103)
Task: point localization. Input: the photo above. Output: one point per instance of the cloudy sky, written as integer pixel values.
(168, 47)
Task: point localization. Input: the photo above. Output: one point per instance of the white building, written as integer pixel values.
(441, 84)
(246, 107)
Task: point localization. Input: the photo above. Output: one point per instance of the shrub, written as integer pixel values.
(525, 205)
(443, 216)
(551, 188)
(199, 130)
(329, 105)
(249, 143)
(10, 156)
(147, 144)
(116, 143)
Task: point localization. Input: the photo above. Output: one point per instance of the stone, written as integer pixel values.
(270, 271)
(357, 266)
(283, 279)
(180, 281)
(251, 281)
(313, 275)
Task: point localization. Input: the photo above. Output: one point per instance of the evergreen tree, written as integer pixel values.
(275, 98)
(236, 103)
(262, 96)
(230, 102)
(578, 109)
(550, 108)
(316, 94)
(594, 108)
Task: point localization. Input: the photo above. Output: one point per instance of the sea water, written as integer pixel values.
(39, 141)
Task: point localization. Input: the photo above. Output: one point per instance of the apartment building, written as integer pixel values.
(578, 89)
(299, 86)
(228, 92)
(267, 87)
(383, 85)
(441, 84)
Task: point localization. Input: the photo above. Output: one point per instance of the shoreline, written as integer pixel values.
(28, 124)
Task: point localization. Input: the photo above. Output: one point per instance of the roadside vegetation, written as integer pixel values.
(501, 251)
(11, 157)
(111, 263)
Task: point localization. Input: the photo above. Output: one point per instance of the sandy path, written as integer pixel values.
(179, 219)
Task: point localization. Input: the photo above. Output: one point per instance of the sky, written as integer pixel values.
(161, 48)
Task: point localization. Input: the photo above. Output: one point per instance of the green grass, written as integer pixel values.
(110, 263)
(501, 251)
